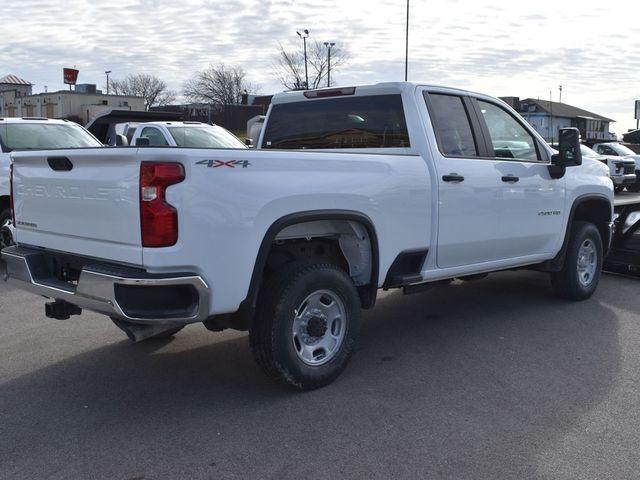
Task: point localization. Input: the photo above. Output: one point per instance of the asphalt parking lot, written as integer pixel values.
(491, 379)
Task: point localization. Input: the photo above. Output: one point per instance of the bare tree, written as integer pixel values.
(218, 85)
(151, 88)
(289, 67)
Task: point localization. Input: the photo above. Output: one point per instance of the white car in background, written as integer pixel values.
(621, 170)
(34, 134)
(615, 149)
(183, 134)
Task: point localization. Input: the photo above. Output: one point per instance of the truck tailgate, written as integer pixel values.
(81, 201)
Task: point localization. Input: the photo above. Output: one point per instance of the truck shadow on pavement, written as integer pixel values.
(468, 381)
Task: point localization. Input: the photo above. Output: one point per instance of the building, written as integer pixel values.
(548, 117)
(81, 104)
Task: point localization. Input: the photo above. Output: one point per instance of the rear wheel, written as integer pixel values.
(306, 326)
(580, 274)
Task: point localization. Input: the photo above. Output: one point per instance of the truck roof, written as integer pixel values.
(176, 124)
(383, 88)
(32, 120)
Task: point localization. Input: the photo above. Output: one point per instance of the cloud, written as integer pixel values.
(497, 47)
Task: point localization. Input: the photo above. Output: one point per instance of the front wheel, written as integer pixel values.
(580, 274)
(306, 326)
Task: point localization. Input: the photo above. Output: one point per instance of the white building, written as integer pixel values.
(16, 100)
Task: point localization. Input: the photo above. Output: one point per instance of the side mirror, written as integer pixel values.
(121, 141)
(569, 153)
(248, 142)
(142, 142)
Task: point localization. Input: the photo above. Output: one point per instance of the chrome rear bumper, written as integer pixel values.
(109, 289)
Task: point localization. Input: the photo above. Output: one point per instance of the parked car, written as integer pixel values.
(33, 134)
(184, 134)
(621, 170)
(400, 185)
(616, 149)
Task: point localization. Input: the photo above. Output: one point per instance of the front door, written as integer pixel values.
(530, 203)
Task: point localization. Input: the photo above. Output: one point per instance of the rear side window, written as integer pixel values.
(357, 122)
(451, 124)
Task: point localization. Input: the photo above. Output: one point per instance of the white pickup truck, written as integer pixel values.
(352, 189)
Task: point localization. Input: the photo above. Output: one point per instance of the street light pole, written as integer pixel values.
(406, 53)
(329, 45)
(304, 37)
(107, 74)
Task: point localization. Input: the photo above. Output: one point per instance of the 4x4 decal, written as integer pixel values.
(224, 163)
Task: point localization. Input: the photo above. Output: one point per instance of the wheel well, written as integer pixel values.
(342, 237)
(598, 212)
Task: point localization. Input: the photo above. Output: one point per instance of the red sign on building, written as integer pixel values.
(70, 76)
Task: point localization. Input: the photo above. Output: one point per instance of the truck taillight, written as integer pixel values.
(13, 211)
(158, 219)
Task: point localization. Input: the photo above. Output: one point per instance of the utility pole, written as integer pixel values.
(406, 53)
(107, 74)
(304, 37)
(560, 88)
(329, 45)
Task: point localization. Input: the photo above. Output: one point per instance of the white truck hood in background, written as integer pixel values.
(91, 210)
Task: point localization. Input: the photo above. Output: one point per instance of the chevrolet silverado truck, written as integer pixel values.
(622, 171)
(351, 190)
(615, 149)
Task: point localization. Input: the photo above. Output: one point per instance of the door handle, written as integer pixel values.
(510, 179)
(453, 177)
(60, 164)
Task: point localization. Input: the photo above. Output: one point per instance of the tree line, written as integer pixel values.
(223, 84)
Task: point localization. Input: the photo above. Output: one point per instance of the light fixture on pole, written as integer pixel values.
(304, 35)
(406, 52)
(107, 74)
(329, 46)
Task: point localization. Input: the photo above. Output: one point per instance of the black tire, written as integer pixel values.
(5, 216)
(271, 335)
(566, 283)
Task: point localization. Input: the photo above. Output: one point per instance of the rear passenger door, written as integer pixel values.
(468, 184)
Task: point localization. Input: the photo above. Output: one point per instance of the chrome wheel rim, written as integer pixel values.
(319, 327)
(587, 262)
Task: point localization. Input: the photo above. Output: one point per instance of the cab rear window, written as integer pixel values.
(376, 121)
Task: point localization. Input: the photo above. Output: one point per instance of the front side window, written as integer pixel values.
(155, 136)
(375, 121)
(509, 138)
(452, 126)
(606, 150)
(45, 136)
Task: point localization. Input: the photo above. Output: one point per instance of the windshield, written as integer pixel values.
(587, 152)
(621, 149)
(205, 136)
(45, 136)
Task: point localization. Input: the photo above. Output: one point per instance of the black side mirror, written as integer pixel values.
(569, 153)
(248, 142)
(142, 142)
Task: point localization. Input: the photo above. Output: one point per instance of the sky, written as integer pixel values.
(502, 48)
